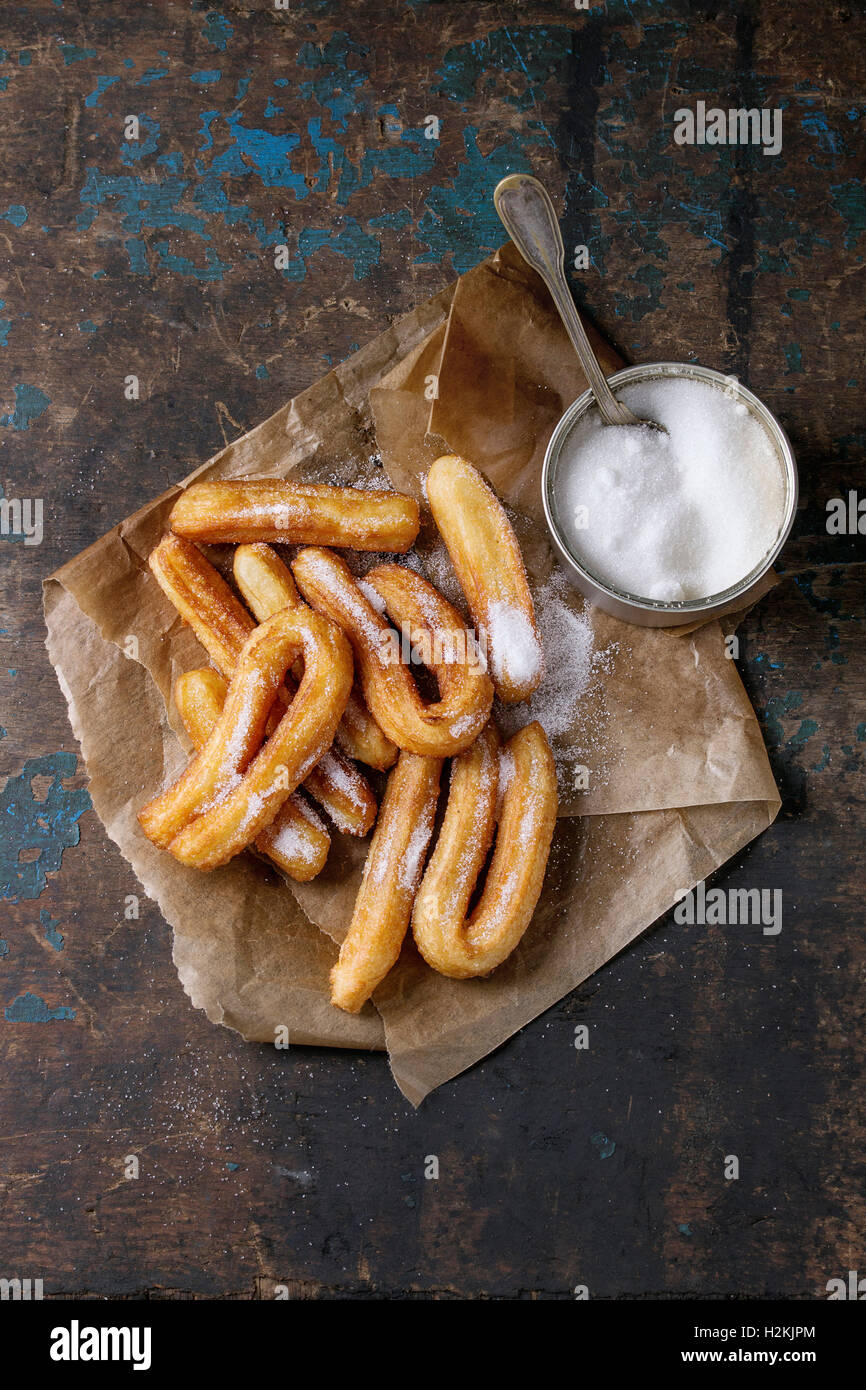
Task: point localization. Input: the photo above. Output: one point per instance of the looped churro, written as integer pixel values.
(525, 775)
(489, 565)
(222, 625)
(391, 875)
(442, 728)
(230, 792)
(275, 509)
(267, 586)
(296, 840)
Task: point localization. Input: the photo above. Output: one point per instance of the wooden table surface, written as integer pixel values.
(155, 258)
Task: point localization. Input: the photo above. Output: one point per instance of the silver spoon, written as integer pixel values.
(528, 216)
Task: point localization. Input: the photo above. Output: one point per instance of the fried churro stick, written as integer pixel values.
(525, 774)
(489, 565)
(267, 586)
(272, 509)
(222, 625)
(296, 840)
(230, 792)
(203, 599)
(390, 879)
(442, 728)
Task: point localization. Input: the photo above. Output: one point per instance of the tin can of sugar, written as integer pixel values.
(633, 607)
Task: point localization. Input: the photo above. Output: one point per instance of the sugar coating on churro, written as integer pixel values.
(514, 651)
(466, 692)
(488, 563)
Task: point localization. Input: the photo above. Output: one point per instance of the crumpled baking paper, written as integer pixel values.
(664, 774)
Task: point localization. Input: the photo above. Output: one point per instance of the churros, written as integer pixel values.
(489, 565)
(523, 776)
(391, 874)
(230, 791)
(222, 625)
(263, 722)
(438, 729)
(296, 840)
(274, 509)
(267, 586)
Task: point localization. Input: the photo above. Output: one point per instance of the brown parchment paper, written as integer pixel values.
(678, 778)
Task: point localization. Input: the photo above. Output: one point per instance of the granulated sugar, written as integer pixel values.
(437, 568)
(573, 664)
(570, 658)
(674, 516)
(512, 648)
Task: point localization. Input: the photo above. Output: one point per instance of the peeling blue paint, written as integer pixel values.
(73, 54)
(4, 949)
(336, 85)
(777, 708)
(348, 239)
(217, 31)
(268, 152)
(808, 727)
(102, 85)
(49, 826)
(805, 583)
(152, 75)
(394, 220)
(460, 220)
(816, 124)
(30, 1008)
(16, 213)
(182, 265)
(137, 253)
(142, 203)
(133, 150)
(637, 306)
(849, 200)
(794, 357)
(30, 403)
(537, 52)
(49, 926)
(515, 65)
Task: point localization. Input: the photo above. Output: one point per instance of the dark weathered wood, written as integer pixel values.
(557, 1167)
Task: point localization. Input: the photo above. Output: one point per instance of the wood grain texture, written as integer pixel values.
(155, 258)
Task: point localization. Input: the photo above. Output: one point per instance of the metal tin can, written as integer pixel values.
(633, 608)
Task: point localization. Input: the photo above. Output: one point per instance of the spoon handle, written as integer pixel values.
(528, 216)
